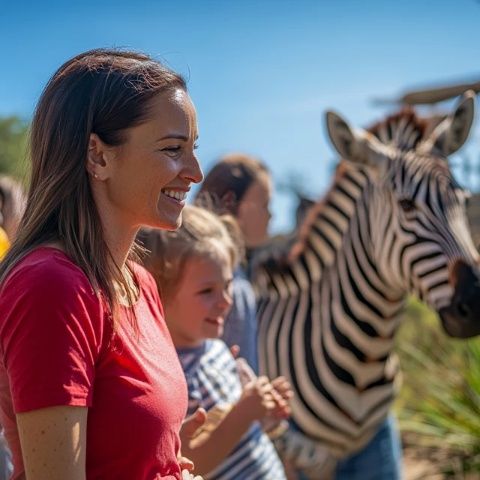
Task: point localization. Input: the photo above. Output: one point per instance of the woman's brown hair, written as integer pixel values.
(100, 91)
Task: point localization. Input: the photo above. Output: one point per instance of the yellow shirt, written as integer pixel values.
(4, 243)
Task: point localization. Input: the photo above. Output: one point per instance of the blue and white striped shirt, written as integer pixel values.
(213, 380)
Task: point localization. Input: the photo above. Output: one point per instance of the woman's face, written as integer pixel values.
(152, 171)
(253, 214)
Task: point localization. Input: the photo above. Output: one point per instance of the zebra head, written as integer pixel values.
(418, 236)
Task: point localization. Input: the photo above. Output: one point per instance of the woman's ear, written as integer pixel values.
(98, 157)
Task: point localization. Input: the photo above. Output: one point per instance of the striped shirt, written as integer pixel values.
(213, 381)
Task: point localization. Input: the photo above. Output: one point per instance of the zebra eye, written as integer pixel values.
(407, 205)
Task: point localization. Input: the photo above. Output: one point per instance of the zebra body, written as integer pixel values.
(393, 223)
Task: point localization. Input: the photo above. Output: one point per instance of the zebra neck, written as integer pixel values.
(329, 222)
(337, 231)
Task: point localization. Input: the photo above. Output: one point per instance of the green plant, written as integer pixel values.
(13, 145)
(439, 407)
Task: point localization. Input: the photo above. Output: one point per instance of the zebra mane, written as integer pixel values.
(283, 249)
(403, 129)
(298, 246)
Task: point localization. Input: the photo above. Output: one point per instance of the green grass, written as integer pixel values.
(439, 405)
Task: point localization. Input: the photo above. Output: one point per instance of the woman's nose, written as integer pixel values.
(193, 172)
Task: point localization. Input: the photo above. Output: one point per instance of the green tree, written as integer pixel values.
(13, 146)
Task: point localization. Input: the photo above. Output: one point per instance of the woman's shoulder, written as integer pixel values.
(144, 277)
(47, 269)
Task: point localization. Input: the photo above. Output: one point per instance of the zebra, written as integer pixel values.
(393, 223)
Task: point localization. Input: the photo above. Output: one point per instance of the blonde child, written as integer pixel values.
(193, 267)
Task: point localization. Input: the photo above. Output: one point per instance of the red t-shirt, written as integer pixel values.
(57, 348)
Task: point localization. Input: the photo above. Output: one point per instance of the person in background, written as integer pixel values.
(90, 383)
(12, 205)
(241, 185)
(4, 243)
(193, 267)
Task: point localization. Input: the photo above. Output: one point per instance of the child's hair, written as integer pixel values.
(228, 181)
(201, 234)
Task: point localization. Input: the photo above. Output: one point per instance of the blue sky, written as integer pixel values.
(261, 73)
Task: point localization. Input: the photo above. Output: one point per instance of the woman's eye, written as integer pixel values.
(172, 149)
(195, 146)
(407, 205)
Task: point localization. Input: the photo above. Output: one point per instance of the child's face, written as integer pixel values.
(203, 297)
(253, 214)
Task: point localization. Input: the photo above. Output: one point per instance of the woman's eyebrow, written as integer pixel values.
(178, 136)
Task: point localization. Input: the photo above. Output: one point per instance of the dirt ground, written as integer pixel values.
(416, 468)
(419, 469)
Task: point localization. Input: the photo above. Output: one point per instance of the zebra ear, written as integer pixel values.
(351, 144)
(450, 135)
(342, 136)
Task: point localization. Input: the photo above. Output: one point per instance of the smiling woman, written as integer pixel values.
(91, 386)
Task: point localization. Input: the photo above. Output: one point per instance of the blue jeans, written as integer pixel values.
(380, 459)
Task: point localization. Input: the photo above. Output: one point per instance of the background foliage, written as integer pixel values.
(13, 146)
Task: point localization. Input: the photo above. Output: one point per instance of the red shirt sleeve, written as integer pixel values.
(51, 334)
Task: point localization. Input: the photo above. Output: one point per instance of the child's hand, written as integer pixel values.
(186, 475)
(276, 424)
(191, 425)
(257, 401)
(186, 467)
(235, 351)
(282, 393)
(245, 372)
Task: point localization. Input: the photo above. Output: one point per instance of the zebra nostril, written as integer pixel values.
(463, 309)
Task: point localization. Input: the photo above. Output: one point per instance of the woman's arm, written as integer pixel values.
(53, 442)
